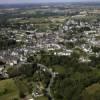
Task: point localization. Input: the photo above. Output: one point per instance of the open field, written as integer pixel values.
(8, 90)
(59, 69)
(92, 91)
(42, 98)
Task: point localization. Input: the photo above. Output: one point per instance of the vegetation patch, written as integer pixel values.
(8, 90)
(92, 92)
(42, 98)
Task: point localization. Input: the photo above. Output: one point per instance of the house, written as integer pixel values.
(3, 73)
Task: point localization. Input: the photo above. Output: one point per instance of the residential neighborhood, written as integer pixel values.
(50, 51)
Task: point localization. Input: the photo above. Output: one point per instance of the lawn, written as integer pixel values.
(59, 69)
(8, 90)
(41, 98)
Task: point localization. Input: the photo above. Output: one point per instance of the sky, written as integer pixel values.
(43, 1)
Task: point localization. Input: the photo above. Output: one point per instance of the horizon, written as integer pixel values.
(46, 1)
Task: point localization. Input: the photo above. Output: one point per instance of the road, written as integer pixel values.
(53, 74)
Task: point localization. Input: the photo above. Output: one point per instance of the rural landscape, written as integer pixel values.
(50, 51)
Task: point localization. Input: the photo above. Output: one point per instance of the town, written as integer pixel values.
(31, 35)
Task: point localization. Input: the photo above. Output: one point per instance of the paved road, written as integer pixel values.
(53, 74)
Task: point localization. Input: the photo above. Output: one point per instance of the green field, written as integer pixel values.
(41, 98)
(8, 90)
(59, 69)
(92, 92)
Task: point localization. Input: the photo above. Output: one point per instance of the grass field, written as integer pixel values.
(41, 98)
(59, 69)
(92, 92)
(8, 90)
(93, 88)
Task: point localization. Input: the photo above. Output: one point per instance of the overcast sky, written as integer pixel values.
(43, 1)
